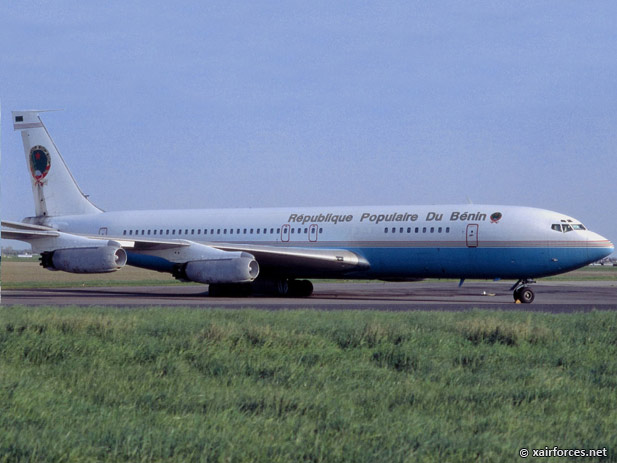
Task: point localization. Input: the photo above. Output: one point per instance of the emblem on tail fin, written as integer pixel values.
(39, 163)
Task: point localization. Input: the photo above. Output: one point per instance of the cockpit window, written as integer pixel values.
(566, 227)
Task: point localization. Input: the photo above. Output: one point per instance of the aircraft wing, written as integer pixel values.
(26, 232)
(29, 233)
(300, 261)
(290, 261)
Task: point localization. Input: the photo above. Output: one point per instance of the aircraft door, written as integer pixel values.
(285, 233)
(313, 232)
(472, 235)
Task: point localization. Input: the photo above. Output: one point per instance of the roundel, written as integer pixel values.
(39, 162)
(496, 217)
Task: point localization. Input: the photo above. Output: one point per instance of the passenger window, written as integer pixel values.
(447, 229)
(439, 230)
(393, 229)
(192, 231)
(321, 230)
(417, 230)
(231, 231)
(278, 230)
(218, 231)
(179, 232)
(432, 229)
(401, 230)
(258, 230)
(167, 232)
(385, 230)
(251, 231)
(124, 232)
(272, 231)
(423, 229)
(130, 232)
(154, 232)
(408, 229)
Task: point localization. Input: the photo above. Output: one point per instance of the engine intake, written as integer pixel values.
(101, 259)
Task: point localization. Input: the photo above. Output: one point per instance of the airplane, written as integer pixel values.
(278, 250)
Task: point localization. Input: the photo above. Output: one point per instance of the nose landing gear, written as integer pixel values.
(522, 292)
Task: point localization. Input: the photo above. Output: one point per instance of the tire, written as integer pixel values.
(526, 295)
(300, 288)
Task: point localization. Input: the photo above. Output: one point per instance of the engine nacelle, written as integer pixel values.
(243, 269)
(101, 259)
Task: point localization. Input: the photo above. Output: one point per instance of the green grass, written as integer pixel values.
(156, 384)
(29, 274)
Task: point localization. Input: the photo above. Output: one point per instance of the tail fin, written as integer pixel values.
(55, 190)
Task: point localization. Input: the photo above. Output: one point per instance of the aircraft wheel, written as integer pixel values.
(525, 295)
(282, 288)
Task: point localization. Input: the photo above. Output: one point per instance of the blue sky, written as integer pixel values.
(195, 104)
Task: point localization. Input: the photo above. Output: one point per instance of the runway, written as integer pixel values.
(431, 295)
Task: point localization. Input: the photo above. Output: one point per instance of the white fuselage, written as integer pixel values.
(460, 241)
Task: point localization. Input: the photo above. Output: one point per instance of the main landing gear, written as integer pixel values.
(522, 292)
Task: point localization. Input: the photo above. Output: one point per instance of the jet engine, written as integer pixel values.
(100, 259)
(242, 268)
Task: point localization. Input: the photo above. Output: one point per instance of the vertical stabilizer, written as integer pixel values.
(55, 190)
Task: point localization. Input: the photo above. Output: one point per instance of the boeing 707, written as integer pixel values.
(278, 250)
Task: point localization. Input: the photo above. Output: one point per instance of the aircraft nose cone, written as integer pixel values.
(599, 247)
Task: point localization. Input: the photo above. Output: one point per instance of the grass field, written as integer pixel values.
(156, 384)
(27, 273)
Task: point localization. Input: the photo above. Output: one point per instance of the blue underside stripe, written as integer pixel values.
(424, 262)
(475, 262)
(150, 262)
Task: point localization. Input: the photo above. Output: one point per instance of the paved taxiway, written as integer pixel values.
(550, 296)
